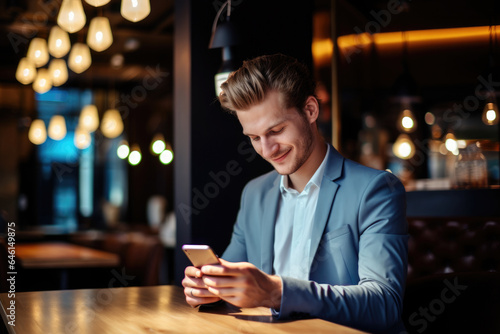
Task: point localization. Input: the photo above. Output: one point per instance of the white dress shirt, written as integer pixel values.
(292, 241)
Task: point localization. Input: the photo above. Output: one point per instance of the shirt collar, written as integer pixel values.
(315, 179)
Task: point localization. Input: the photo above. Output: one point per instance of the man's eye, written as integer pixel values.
(275, 132)
(254, 138)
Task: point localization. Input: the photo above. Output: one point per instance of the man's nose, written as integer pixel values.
(269, 148)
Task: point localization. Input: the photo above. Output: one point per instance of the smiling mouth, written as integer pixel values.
(281, 158)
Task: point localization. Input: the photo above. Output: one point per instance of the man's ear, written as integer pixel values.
(311, 109)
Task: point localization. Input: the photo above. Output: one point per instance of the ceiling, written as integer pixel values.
(145, 43)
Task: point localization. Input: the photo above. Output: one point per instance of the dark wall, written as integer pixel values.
(213, 159)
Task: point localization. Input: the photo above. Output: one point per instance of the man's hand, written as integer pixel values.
(241, 284)
(195, 290)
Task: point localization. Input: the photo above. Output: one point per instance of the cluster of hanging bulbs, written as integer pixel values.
(88, 122)
(71, 19)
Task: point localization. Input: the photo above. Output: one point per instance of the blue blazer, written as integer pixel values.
(359, 246)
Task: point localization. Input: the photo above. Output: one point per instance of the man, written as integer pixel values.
(321, 236)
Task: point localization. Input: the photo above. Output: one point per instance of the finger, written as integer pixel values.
(193, 302)
(224, 269)
(193, 282)
(192, 271)
(224, 293)
(223, 281)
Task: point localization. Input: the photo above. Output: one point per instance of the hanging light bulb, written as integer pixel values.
(37, 52)
(123, 150)
(37, 133)
(403, 148)
(135, 156)
(82, 138)
(158, 144)
(26, 71)
(406, 121)
(89, 118)
(451, 144)
(43, 81)
(79, 58)
(59, 43)
(135, 10)
(99, 37)
(112, 124)
(57, 127)
(167, 156)
(97, 3)
(71, 16)
(58, 72)
(490, 114)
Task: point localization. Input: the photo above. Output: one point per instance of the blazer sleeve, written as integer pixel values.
(375, 303)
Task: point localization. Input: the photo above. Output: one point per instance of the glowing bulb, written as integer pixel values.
(37, 133)
(82, 138)
(57, 127)
(490, 114)
(71, 16)
(58, 42)
(79, 58)
(135, 156)
(451, 143)
(26, 71)
(89, 118)
(123, 150)
(97, 3)
(37, 52)
(112, 124)
(135, 10)
(158, 144)
(166, 157)
(403, 148)
(43, 81)
(99, 37)
(58, 71)
(407, 121)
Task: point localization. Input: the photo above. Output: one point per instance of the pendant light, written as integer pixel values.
(97, 3)
(37, 133)
(167, 156)
(123, 150)
(403, 148)
(406, 121)
(99, 37)
(43, 81)
(82, 138)
(135, 10)
(135, 156)
(71, 16)
(26, 71)
(158, 144)
(37, 52)
(112, 124)
(57, 127)
(226, 36)
(450, 142)
(59, 43)
(490, 113)
(89, 118)
(79, 58)
(58, 72)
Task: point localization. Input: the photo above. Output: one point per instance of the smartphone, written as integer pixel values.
(200, 255)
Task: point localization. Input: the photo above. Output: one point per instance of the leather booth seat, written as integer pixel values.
(445, 245)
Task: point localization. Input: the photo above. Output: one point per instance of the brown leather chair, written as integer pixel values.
(143, 259)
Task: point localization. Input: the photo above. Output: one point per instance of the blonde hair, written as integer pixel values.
(249, 84)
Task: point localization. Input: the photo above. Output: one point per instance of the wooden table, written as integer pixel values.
(61, 255)
(156, 309)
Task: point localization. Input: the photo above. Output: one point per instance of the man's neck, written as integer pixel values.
(299, 179)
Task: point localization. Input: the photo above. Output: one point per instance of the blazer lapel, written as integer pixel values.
(327, 192)
(271, 203)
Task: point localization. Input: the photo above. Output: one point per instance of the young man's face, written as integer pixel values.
(280, 135)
